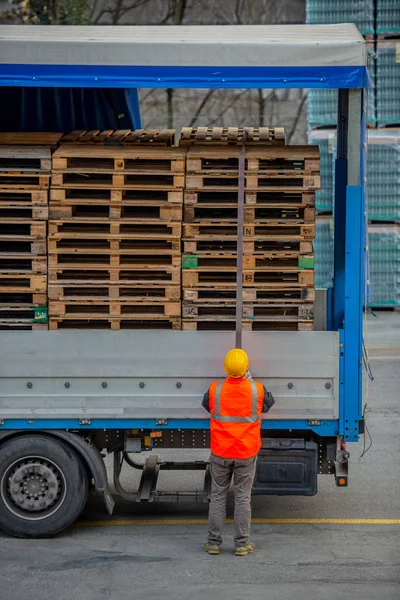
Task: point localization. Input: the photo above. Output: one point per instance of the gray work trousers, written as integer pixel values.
(222, 471)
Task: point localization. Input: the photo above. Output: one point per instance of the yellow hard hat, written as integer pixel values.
(236, 363)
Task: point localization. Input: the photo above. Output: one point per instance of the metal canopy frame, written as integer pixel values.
(349, 227)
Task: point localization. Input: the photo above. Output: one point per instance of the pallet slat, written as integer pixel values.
(231, 135)
(257, 199)
(149, 212)
(115, 323)
(104, 274)
(273, 278)
(277, 231)
(230, 325)
(115, 291)
(280, 295)
(112, 195)
(98, 308)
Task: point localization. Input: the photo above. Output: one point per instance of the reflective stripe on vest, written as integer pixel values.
(230, 419)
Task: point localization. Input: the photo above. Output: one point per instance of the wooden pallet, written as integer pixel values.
(20, 180)
(284, 160)
(86, 228)
(23, 263)
(119, 261)
(94, 210)
(30, 138)
(287, 296)
(104, 274)
(134, 160)
(25, 159)
(23, 299)
(228, 261)
(213, 160)
(102, 245)
(115, 291)
(23, 230)
(23, 197)
(15, 282)
(256, 182)
(271, 231)
(14, 313)
(111, 196)
(264, 199)
(153, 137)
(272, 248)
(24, 212)
(223, 278)
(274, 312)
(217, 324)
(115, 323)
(22, 326)
(116, 308)
(118, 180)
(202, 212)
(231, 135)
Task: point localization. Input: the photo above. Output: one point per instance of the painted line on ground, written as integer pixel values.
(387, 357)
(255, 521)
(383, 347)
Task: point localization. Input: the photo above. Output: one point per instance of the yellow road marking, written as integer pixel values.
(130, 522)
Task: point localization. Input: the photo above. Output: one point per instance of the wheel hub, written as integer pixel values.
(34, 485)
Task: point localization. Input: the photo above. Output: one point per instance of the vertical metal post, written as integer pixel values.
(239, 259)
(354, 272)
(340, 209)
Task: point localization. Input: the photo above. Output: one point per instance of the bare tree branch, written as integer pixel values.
(201, 106)
(228, 106)
(297, 118)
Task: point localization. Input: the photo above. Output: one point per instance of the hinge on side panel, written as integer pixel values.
(1, 421)
(312, 422)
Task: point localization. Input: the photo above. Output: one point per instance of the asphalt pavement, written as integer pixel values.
(341, 542)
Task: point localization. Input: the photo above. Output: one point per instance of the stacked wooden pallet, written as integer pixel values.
(115, 237)
(279, 226)
(200, 136)
(24, 184)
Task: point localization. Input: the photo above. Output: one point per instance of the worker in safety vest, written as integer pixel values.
(235, 406)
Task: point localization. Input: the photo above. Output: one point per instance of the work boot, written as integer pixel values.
(212, 549)
(245, 549)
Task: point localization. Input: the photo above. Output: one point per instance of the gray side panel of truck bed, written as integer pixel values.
(149, 374)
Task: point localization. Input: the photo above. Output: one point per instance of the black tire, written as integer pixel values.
(43, 486)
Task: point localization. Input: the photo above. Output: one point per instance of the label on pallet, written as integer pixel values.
(398, 52)
(189, 261)
(41, 314)
(306, 262)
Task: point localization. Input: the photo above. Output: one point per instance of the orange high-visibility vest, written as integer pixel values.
(235, 407)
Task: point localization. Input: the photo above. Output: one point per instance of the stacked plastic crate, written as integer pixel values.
(322, 103)
(388, 82)
(323, 243)
(384, 261)
(387, 17)
(384, 174)
(360, 12)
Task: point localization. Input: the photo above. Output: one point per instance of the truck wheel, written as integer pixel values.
(43, 486)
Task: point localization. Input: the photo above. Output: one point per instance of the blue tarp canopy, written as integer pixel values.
(66, 109)
(256, 56)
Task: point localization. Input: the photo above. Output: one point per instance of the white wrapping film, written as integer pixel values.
(244, 45)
